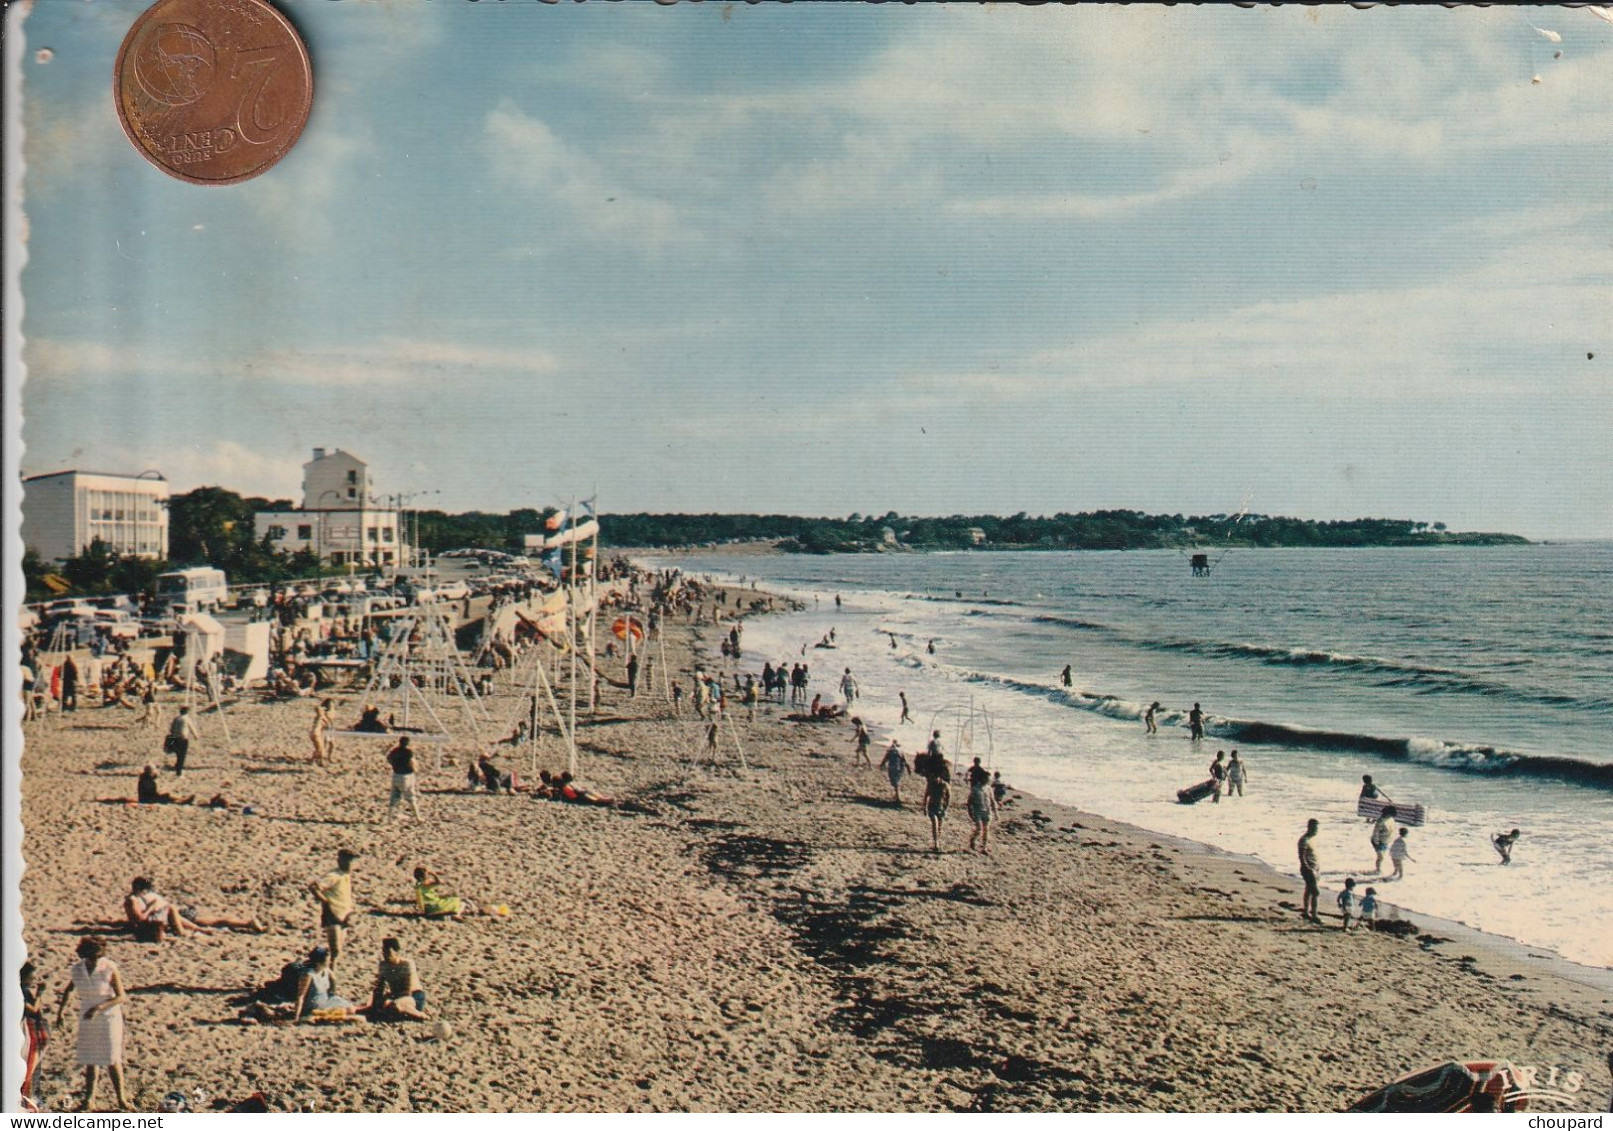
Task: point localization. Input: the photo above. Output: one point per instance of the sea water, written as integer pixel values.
(1477, 681)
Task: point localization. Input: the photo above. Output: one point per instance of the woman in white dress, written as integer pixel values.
(100, 1019)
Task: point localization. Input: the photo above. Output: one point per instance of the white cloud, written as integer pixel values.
(1447, 341)
(565, 181)
(229, 464)
(1518, 325)
(1180, 184)
(221, 463)
(1215, 99)
(386, 362)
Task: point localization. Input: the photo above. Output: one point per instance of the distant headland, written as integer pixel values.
(1092, 530)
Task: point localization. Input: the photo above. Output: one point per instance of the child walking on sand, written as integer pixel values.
(1369, 907)
(1347, 903)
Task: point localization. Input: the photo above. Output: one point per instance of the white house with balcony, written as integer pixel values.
(64, 511)
(340, 519)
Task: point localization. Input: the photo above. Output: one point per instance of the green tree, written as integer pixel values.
(90, 570)
(206, 525)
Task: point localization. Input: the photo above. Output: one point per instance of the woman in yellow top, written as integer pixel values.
(434, 903)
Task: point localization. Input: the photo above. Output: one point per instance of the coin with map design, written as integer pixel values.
(213, 92)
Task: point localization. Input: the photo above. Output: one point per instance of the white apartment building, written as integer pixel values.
(340, 520)
(64, 511)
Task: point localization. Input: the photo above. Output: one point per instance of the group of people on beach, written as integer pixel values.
(987, 792)
(1390, 841)
(305, 991)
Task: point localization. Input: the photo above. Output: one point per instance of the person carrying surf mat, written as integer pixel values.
(1373, 803)
(1407, 813)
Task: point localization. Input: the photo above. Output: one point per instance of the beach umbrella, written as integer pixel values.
(1451, 1087)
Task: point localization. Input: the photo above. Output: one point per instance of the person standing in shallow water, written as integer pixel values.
(1371, 792)
(1399, 853)
(1066, 678)
(1195, 722)
(1382, 834)
(906, 716)
(1237, 774)
(1149, 725)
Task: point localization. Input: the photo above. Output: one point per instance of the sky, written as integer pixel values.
(832, 259)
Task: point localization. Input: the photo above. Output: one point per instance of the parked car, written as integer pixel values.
(116, 622)
(197, 590)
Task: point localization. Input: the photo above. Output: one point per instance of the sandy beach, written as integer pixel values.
(774, 937)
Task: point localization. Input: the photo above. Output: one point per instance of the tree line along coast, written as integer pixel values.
(213, 526)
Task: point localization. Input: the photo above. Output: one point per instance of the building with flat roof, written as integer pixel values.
(340, 520)
(64, 511)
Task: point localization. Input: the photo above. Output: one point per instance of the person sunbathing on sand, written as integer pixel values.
(147, 793)
(434, 903)
(151, 916)
(572, 790)
(495, 777)
(398, 994)
(316, 992)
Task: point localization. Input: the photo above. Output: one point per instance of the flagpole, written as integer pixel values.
(593, 607)
(571, 606)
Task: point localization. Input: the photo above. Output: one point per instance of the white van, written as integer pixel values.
(192, 590)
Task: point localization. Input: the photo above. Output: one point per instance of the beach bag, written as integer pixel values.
(149, 931)
(170, 745)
